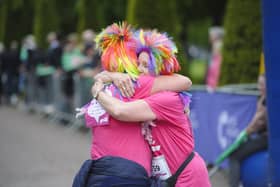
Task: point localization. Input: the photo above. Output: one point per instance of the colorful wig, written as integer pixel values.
(161, 50)
(118, 47)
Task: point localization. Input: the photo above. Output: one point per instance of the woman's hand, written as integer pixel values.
(96, 88)
(124, 83)
(121, 80)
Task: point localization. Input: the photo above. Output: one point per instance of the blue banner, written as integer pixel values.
(217, 119)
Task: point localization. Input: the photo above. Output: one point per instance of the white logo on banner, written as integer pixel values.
(227, 129)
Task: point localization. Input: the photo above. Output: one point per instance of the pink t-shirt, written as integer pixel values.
(173, 132)
(124, 139)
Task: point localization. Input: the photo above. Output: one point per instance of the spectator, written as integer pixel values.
(88, 37)
(1, 69)
(27, 69)
(257, 136)
(213, 72)
(71, 61)
(11, 64)
(54, 51)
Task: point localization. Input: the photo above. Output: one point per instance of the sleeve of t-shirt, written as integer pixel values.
(143, 86)
(166, 106)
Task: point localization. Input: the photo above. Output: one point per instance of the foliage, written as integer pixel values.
(198, 32)
(130, 11)
(94, 14)
(41, 16)
(242, 42)
(90, 15)
(3, 15)
(45, 20)
(197, 69)
(155, 15)
(17, 22)
(67, 16)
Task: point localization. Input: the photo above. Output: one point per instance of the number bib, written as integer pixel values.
(160, 167)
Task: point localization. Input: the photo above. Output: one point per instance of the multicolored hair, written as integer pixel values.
(161, 50)
(118, 47)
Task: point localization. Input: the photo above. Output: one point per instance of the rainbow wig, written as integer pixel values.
(161, 50)
(118, 49)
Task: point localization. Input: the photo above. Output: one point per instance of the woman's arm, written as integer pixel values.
(175, 82)
(124, 111)
(259, 121)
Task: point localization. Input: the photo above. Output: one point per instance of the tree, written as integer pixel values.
(94, 14)
(3, 15)
(90, 15)
(14, 19)
(162, 16)
(130, 11)
(242, 42)
(45, 20)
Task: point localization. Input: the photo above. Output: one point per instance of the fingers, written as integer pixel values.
(123, 91)
(126, 87)
(127, 90)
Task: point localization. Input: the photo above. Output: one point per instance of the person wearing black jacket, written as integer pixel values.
(10, 65)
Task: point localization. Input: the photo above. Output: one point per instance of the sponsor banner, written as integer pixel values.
(217, 119)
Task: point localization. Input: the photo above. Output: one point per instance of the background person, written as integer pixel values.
(257, 136)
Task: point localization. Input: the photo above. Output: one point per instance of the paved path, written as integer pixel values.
(36, 153)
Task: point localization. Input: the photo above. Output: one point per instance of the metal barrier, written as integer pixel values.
(244, 89)
(49, 100)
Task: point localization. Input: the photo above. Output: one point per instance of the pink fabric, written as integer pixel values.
(102, 119)
(174, 133)
(124, 139)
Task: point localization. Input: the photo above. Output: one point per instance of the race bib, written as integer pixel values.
(96, 115)
(160, 167)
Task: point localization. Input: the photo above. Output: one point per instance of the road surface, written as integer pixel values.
(35, 153)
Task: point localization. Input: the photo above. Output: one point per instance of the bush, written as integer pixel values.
(242, 42)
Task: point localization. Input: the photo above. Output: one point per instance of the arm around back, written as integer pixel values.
(175, 82)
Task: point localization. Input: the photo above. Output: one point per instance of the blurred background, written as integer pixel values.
(48, 59)
(194, 24)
